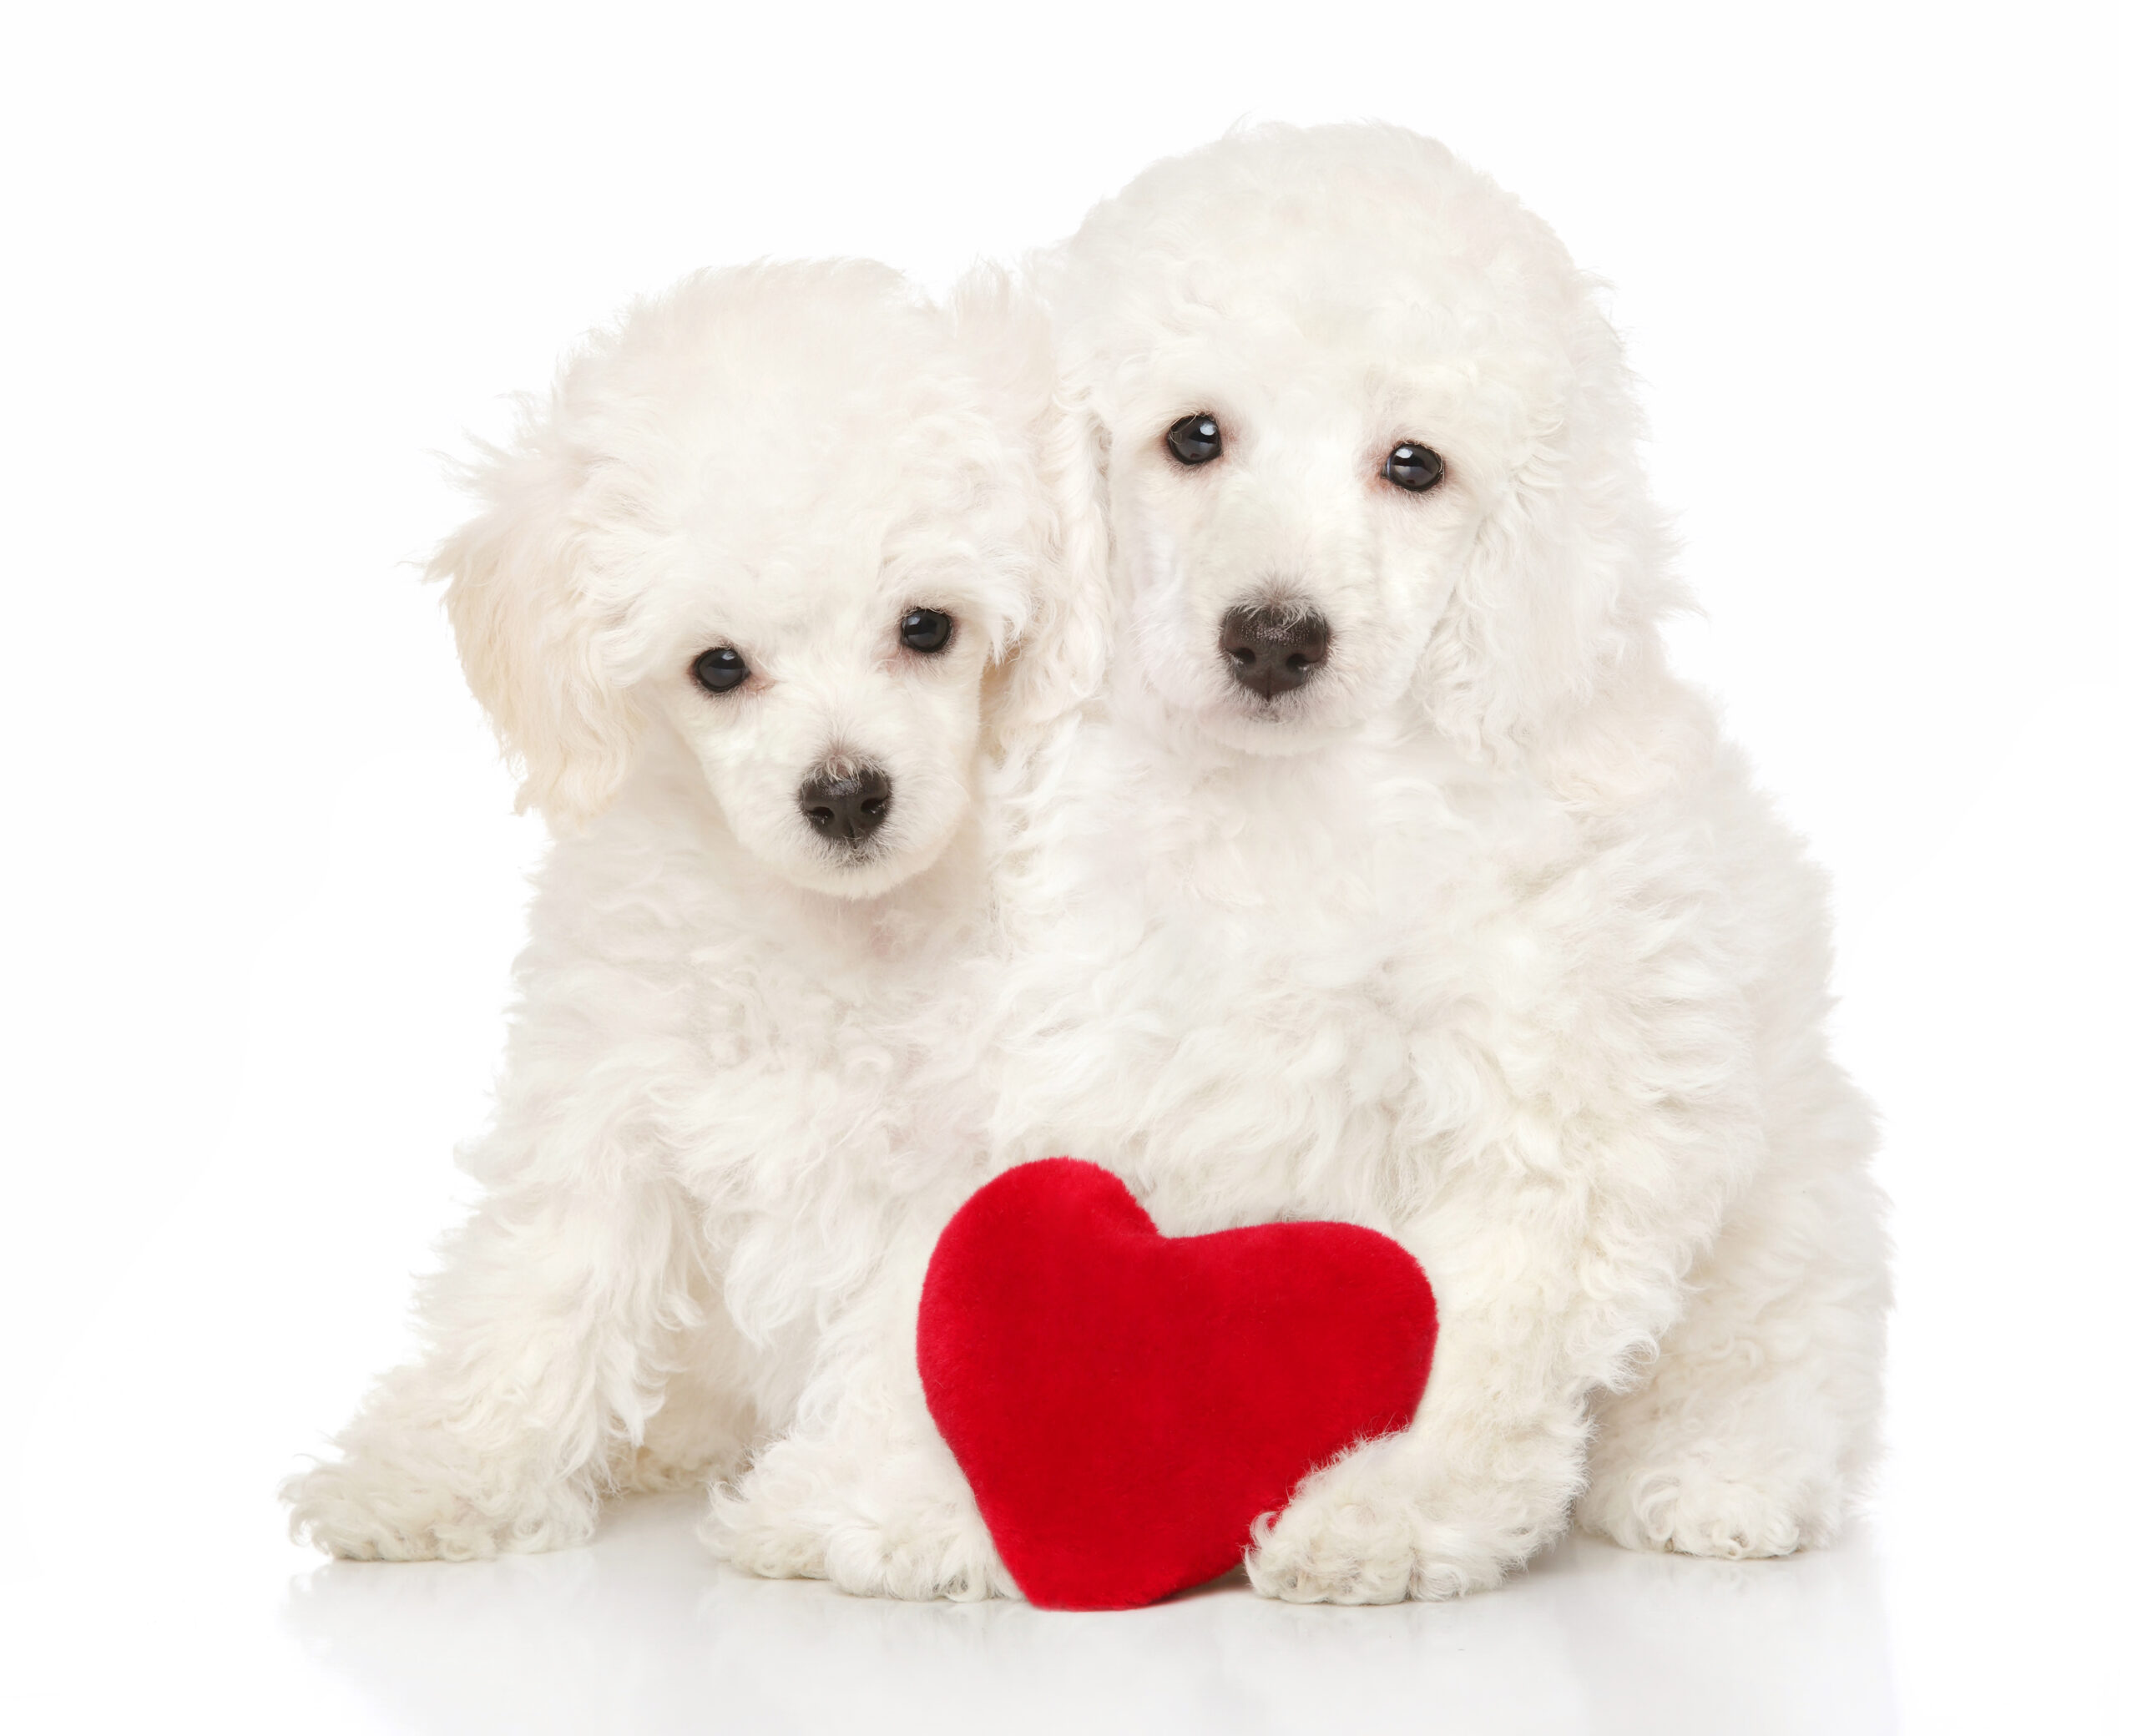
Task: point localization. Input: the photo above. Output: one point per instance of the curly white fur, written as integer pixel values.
(737, 1062)
(1479, 937)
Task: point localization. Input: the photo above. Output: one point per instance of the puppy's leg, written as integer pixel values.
(1476, 1486)
(1759, 1421)
(1566, 1203)
(862, 1490)
(541, 1369)
(705, 1426)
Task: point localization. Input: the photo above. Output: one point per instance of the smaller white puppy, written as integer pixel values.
(755, 600)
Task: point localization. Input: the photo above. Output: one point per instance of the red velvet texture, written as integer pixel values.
(1124, 1404)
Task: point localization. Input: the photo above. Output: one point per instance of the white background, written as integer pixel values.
(263, 884)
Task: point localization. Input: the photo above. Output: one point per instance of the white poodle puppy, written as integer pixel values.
(760, 598)
(1394, 877)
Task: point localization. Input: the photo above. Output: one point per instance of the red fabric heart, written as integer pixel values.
(1124, 1404)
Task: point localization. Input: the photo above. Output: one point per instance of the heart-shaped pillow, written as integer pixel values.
(1124, 1404)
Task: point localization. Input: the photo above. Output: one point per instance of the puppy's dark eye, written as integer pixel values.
(720, 671)
(1413, 466)
(926, 629)
(1195, 439)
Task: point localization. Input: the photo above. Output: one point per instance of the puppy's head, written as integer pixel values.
(1366, 441)
(804, 520)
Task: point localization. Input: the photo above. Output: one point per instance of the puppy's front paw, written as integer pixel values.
(1696, 1509)
(1378, 1526)
(893, 1547)
(900, 1530)
(752, 1529)
(363, 1510)
(1345, 1548)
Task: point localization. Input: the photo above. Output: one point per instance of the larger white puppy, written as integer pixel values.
(761, 592)
(1397, 880)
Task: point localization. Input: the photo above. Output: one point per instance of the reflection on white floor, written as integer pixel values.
(642, 1632)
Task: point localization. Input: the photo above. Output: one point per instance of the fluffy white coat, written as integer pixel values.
(1481, 937)
(736, 1064)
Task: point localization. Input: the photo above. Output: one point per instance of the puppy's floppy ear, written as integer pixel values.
(1058, 661)
(1057, 658)
(528, 627)
(1548, 651)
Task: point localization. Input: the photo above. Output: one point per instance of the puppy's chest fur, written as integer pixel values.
(798, 1062)
(1235, 976)
(834, 1062)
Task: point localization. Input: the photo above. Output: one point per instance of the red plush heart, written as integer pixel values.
(1124, 1404)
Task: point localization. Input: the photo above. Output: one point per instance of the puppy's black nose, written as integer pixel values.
(1272, 650)
(846, 808)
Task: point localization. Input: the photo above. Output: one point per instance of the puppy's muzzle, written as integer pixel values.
(1271, 650)
(846, 806)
